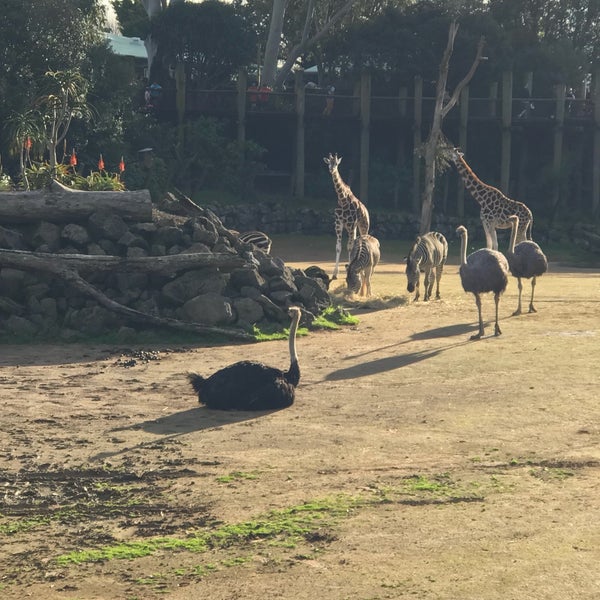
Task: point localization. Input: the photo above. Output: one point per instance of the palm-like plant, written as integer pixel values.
(23, 128)
(65, 98)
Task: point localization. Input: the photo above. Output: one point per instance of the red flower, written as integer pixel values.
(73, 160)
(122, 165)
(28, 143)
(101, 164)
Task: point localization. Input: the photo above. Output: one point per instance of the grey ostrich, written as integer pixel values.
(484, 270)
(251, 385)
(526, 261)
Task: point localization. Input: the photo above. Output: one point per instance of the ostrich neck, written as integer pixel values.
(463, 248)
(292, 339)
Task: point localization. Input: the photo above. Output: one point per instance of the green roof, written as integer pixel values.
(127, 46)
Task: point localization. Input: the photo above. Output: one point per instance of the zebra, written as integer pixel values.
(257, 238)
(364, 256)
(429, 253)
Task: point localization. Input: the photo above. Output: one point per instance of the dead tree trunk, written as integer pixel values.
(442, 108)
(63, 204)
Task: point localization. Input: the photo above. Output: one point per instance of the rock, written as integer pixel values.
(210, 309)
(194, 283)
(12, 240)
(46, 235)
(107, 225)
(21, 327)
(75, 234)
(248, 312)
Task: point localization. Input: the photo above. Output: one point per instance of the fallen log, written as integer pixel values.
(60, 204)
(86, 263)
(67, 267)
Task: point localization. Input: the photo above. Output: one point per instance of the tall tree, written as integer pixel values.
(443, 105)
(311, 34)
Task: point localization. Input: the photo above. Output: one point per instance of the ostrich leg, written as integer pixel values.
(479, 335)
(497, 327)
(531, 307)
(520, 286)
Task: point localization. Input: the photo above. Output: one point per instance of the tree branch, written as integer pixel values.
(304, 45)
(466, 79)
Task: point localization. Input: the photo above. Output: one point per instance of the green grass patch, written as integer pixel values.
(236, 476)
(283, 528)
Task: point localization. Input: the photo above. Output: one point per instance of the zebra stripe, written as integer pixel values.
(364, 257)
(257, 238)
(428, 254)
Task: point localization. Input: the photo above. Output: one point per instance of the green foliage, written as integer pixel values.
(132, 18)
(200, 36)
(40, 36)
(40, 176)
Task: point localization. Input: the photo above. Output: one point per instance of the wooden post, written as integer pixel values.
(365, 125)
(401, 151)
(418, 117)
(180, 93)
(402, 100)
(242, 85)
(507, 93)
(462, 142)
(298, 188)
(559, 121)
(493, 102)
(596, 155)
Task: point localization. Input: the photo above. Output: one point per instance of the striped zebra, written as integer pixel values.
(364, 257)
(428, 253)
(257, 238)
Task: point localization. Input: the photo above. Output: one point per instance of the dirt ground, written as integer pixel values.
(415, 463)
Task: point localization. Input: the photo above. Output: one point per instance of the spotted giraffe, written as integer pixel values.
(496, 208)
(351, 214)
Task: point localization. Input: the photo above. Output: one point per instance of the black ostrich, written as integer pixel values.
(482, 271)
(251, 385)
(526, 261)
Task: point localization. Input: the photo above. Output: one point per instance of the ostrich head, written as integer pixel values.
(332, 161)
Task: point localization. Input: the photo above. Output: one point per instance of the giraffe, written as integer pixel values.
(351, 214)
(496, 208)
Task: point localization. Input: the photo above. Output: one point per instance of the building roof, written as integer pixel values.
(127, 46)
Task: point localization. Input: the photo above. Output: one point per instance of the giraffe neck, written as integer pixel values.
(341, 189)
(479, 190)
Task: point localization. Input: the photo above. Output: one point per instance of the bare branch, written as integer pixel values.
(466, 79)
(304, 45)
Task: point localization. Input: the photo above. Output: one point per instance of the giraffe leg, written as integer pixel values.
(338, 248)
(531, 307)
(489, 240)
(497, 326)
(494, 239)
(478, 335)
(520, 285)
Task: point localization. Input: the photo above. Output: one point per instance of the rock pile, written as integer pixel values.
(36, 304)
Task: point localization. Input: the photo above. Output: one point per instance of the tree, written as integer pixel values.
(65, 97)
(40, 36)
(443, 105)
(199, 36)
(273, 77)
